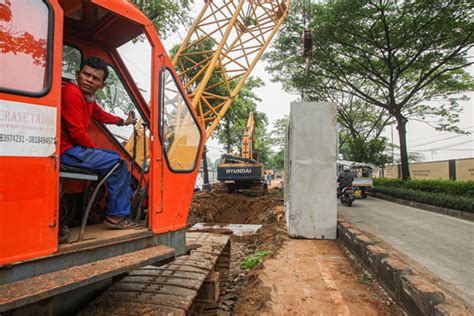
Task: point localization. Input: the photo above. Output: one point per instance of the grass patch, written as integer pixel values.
(366, 279)
(251, 261)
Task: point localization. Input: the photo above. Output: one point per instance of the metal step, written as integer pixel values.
(34, 289)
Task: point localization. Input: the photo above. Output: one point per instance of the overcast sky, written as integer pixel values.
(421, 137)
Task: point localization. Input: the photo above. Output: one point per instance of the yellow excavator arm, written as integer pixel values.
(248, 138)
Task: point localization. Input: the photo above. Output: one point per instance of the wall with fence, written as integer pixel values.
(455, 169)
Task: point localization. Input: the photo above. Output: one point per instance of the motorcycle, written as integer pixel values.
(346, 195)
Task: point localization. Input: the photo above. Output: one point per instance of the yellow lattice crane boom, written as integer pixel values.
(221, 49)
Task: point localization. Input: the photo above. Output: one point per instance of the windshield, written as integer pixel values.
(136, 54)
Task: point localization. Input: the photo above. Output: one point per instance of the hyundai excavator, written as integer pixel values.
(156, 268)
(242, 172)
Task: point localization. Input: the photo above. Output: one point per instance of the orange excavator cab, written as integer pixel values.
(40, 52)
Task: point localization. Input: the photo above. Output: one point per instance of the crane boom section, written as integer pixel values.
(221, 49)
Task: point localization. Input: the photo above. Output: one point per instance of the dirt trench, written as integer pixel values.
(297, 277)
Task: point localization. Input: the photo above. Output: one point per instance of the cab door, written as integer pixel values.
(181, 139)
(30, 84)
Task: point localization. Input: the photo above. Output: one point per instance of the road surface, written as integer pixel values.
(443, 244)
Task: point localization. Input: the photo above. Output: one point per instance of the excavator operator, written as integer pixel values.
(77, 150)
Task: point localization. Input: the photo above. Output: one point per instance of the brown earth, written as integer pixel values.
(307, 277)
(313, 277)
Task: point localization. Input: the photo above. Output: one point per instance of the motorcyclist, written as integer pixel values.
(345, 178)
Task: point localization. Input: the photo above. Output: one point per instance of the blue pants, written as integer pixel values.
(102, 160)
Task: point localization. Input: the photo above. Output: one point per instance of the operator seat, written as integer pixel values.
(70, 172)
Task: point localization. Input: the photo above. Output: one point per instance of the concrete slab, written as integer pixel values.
(310, 169)
(236, 229)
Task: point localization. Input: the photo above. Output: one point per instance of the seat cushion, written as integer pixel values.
(67, 168)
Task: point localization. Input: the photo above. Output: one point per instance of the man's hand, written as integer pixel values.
(131, 119)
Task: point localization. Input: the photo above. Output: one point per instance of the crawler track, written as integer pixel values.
(191, 284)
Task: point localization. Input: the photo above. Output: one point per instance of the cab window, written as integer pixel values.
(138, 65)
(180, 134)
(71, 62)
(24, 46)
(114, 98)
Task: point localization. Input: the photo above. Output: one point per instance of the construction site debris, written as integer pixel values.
(259, 288)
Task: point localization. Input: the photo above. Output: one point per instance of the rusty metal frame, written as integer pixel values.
(224, 44)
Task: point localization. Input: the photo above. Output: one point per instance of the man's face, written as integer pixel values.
(90, 80)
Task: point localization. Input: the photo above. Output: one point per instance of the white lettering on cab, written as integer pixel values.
(27, 130)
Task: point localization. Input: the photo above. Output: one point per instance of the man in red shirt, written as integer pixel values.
(78, 107)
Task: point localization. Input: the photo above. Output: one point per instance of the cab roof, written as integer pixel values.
(111, 23)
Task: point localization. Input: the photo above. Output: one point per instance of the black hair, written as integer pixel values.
(96, 63)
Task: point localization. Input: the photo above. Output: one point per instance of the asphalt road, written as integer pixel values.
(443, 244)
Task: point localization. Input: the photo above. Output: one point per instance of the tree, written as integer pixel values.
(230, 130)
(360, 123)
(277, 136)
(404, 52)
(166, 15)
(365, 150)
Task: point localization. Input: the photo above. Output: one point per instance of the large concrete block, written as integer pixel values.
(310, 171)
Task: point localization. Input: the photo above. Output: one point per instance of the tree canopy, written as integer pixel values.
(394, 55)
(230, 130)
(277, 137)
(166, 15)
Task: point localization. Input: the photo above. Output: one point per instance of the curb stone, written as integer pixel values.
(410, 290)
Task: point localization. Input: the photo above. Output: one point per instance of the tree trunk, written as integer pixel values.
(206, 185)
(402, 135)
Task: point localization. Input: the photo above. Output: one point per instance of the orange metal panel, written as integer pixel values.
(125, 9)
(29, 185)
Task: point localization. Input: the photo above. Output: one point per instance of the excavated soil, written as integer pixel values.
(304, 277)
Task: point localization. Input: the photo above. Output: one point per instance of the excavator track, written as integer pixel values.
(190, 285)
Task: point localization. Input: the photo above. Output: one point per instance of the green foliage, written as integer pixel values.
(451, 187)
(232, 126)
(114, 95)
(279, 131)
(365, 278)
(277, 139)
(277, 161)
(393, 55)
(461, 203)
(251, 261)
(166, 15)
(366, 150)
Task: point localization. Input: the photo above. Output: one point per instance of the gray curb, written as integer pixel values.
(410, 290)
